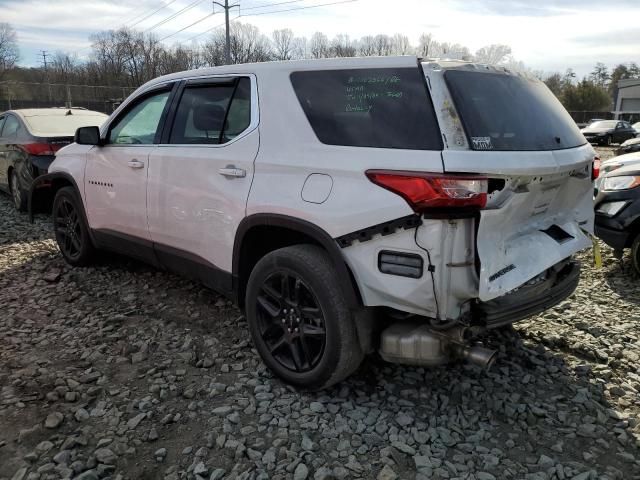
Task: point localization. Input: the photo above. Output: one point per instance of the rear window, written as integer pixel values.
(63, 125)
(507, 112)
(380, 108)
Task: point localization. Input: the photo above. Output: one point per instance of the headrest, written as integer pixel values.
(208, 117)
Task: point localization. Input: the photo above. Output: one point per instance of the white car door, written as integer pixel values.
(116, 172)
(200, 176)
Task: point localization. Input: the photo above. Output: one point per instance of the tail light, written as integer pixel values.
(41, 148)
(424, 191)
(595, 170)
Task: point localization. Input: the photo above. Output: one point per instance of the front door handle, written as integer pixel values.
(135, 163)
(232, 171)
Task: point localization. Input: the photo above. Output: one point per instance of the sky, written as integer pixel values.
(547, 35)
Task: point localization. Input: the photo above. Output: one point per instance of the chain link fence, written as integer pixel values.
(101, 98)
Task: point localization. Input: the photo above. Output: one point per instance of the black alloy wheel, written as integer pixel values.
(67, 226)
(299, 319)
(291, 322)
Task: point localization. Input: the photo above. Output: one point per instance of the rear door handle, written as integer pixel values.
(135, 163)
(232, 171)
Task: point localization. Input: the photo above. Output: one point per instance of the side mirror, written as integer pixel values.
(88, 136)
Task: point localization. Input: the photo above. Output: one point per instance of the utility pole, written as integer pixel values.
(46, 71)
(44, 59)
(227, 46)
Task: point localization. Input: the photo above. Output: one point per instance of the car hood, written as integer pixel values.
(632, 168)
(631, 141)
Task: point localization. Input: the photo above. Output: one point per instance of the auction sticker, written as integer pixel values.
(482, 143)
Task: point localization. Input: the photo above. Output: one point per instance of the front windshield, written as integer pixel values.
(604, 124)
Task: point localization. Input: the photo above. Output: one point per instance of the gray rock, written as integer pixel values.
(88, 475)
(221, 411)
(317, 407)
(387, 473)
(132, 423)
(301, 472)
(484, 476)
(200, 469)
(81, 415)
(307, 444)
(217, 474)
(105, 455)
(62, 457)
(54, 420)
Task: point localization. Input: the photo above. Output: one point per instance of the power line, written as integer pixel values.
(188, 26)
(152, 13)
(267, 5)
(298, 8)
(175, 15)
(210, 30)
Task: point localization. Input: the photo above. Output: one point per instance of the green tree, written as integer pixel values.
(585, 96)
(555, 84)
(600, 75)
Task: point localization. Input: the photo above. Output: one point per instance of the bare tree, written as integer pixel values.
(452, 51)
(247, 45)
(342, 46)
(383, 45)
(283, 44)
(493, 54)
(367, 46)
(319, 45)
(9, 53)
(401, 44)
(426, 45)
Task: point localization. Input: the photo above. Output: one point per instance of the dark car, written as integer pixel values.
(630, 146)
(618, 211)
(29, 139)
(607, 132)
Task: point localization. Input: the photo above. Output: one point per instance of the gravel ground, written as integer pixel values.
(123, 372)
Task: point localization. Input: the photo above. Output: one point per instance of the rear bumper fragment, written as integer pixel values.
(529, 301)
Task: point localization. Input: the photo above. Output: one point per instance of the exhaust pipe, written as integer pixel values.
(417, 344)
(481, 356)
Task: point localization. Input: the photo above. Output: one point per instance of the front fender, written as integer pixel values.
(44, 188)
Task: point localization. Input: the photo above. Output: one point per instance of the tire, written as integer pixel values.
(635, 254)
(299, 319)
(17, 194)
(71, 230)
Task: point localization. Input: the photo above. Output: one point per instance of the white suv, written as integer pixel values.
(347, 205)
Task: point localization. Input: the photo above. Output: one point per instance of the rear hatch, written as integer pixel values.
(512, 129)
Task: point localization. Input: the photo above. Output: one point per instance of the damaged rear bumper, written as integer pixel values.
(529, 300)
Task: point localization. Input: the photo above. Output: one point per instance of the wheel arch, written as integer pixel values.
(43, 190)
(261, 233)
(634, 230)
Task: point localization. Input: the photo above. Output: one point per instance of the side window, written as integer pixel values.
(11, 127)
(378, 107)
(212, 114)
(140, 123)
(619, 125)
(1, 124)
